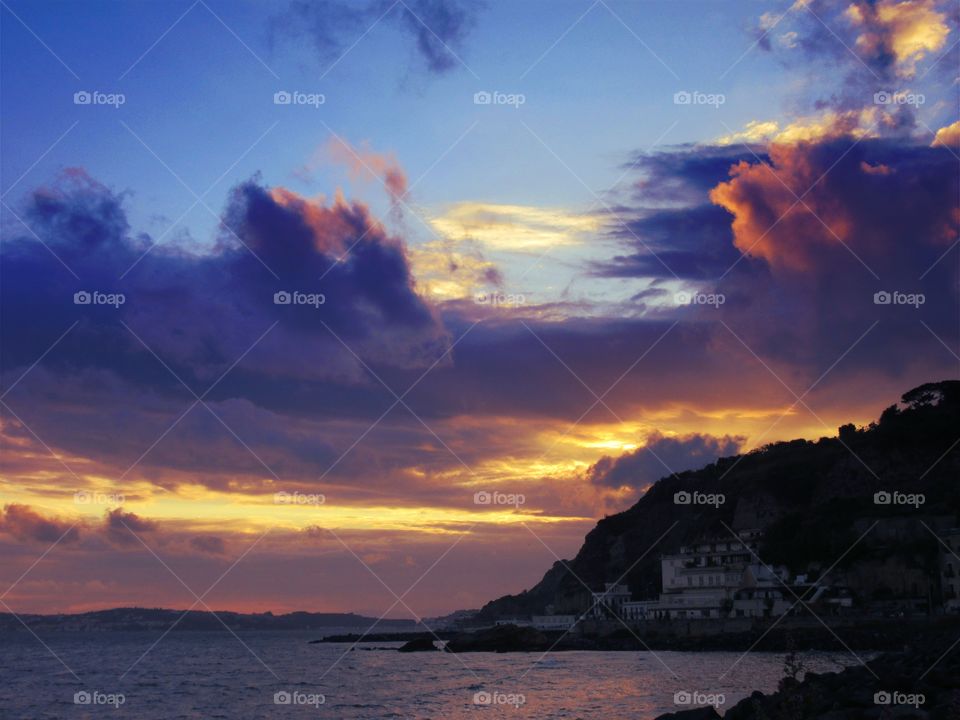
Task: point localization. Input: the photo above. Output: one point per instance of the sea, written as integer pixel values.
(266, 674)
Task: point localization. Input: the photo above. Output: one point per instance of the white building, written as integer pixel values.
(553, 622)
(715, 578)
(609, 601)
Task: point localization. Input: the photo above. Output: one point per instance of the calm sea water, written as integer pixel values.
(216, 675)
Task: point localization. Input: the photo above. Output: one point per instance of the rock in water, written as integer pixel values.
(502, 638)
(418, 645)
(704, 713)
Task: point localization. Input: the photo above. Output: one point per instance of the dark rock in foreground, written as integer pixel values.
(921, 683)
(705, 713)
(502, 638)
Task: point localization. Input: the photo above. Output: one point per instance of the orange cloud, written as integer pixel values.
(812, 200)
(948, 136)
(760, 199)
(363, 163)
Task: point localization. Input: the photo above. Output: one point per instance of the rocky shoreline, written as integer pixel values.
(917, 677)
(921, 682)
(872, 636)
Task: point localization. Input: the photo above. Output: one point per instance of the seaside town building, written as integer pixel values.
(553, 622)
(715, 578)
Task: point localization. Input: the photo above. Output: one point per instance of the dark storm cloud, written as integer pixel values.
(877, 217)
(201, 313)
(186, 306)
(123, 528)
(670, 227)
(660, 457)
(689, 243)
(682, 175)
(799, 278)
(25, 524)
(438, 28)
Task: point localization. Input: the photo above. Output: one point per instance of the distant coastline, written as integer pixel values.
(135, 619)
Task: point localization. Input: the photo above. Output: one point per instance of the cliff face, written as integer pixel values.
(813, 500)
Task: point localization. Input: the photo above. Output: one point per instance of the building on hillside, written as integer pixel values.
(609, 601)
(950, 569)
(553, 622)
(761, 602)
(715, 578)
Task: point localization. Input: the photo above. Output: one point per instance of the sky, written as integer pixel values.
(379, 307)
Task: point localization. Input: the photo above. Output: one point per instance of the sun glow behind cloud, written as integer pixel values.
(514, 227)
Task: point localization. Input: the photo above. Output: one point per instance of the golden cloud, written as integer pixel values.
(948, 136)
(864, 122)
(513, 227)
(447, 271)
(908, 30)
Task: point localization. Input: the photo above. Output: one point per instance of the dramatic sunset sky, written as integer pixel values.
(506, 285)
